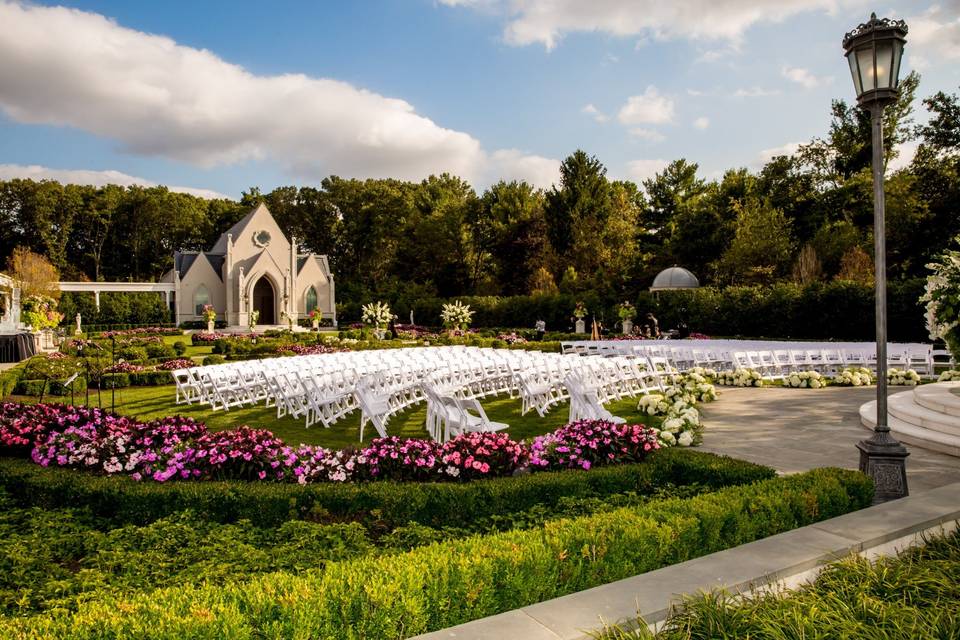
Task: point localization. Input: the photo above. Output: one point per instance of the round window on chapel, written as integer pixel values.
(261, 238)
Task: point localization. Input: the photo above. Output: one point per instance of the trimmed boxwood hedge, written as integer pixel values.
(449, 583)
(381, 505)
(53, 387)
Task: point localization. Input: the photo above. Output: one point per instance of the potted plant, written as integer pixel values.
(315, 316)
(377, 315)
(580, 312)
(210, 315)
(456, 316)
(627, 313)
(253, 319)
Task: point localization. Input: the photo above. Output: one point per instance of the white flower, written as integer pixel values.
(685, 439)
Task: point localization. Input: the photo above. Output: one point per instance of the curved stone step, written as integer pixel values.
(912, 434)
(903, 406)
(938, 397)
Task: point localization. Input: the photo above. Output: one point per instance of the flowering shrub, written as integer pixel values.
(805, 380)
(376, 314)
(204, 337)
(306, 349)
(399, 459)
(123, 367)
(178, 363)
(40, 312)
(705, 372)
(899, 377)
(698, 336)
(854, 377)
(472, 456)
(511, 338)
(143, 331)
(681, 428)
(456, 315)
(949, 376)
(740, 377)
(589, 443)
(942, 298)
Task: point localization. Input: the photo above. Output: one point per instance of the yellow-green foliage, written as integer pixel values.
(447, 583)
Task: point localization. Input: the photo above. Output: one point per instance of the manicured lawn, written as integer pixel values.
(155, 402)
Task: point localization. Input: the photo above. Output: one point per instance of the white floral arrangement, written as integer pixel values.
(740, 377)
(949, 376)
(653, 404)
(942, 299)
(704, 372)
(376, 314)
(456, 315)
(805, 380)
(681, 427)
(903, 378)
(854, 377)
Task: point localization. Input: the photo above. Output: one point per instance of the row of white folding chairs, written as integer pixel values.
(585, 403)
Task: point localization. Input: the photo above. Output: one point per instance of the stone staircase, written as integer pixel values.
(926, 416)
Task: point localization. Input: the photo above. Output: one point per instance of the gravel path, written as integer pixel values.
(793, 430)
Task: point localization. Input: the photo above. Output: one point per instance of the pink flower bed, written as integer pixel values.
(589, 443)
(179, 363)
(179, 448)
(306, 349)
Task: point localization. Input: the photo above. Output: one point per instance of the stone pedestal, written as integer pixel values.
(581, 326)
(627, 327)
(210, 326)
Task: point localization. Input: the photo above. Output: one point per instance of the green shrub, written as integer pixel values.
(386, 504)
(449, 583)
(131, 354)
(149, 378)
(160, 351)
(114, 380)
(179, 347)
(208, 360)
(52, 388)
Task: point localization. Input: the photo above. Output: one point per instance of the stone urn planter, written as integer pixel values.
(627, 327)
(581, 326)
(316, 325)
(210, 326)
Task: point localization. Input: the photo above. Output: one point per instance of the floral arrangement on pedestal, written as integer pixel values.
(580, 311)
(805, 380)
(315, 316)
(740, 377)
(456, 315)
(253, 319)
(942, 298)
(854, 377)
(210, 315)
(949, 376)
(903, 378)
(376, 314)
(626, 312)
(40, 312)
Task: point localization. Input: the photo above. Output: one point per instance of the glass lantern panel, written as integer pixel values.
(897, 55)
(884, 64)
(857, 85)
(865, 62)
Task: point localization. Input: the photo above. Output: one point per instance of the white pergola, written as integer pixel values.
(96, 288)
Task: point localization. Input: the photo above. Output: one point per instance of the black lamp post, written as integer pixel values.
(874, 50)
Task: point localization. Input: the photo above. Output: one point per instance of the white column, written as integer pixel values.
(96, 298)
(333, 301)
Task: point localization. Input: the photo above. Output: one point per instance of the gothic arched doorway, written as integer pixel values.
(263, 301)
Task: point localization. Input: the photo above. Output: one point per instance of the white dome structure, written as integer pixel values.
(674, 278)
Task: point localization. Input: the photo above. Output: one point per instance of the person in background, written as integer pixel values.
(392, 328)
(541, 327)
(651, 328)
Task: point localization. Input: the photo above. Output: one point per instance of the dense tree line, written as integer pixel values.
(805, 217)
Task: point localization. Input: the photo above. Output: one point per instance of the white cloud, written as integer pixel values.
(95, 178)
(936, 32)
(755, 92)
(512, 164)
(547, 21)
(803, 77)
(646, 134)
(696, 93)
(905, 153)
(702, 122)
(767, 155)
(156, 97)
(595, 113)
(643, 169)
(649, 108)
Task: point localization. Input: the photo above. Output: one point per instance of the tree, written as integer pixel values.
(762, 245)
(807, 269)
(579, 204)
(667, 192)
(856, 266)
(34, 274)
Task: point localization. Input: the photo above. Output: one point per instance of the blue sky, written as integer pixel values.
(218, 96)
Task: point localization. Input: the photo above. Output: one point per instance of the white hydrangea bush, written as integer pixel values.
(903, 378)
(740, 377)
(854, 377)
(805, 380)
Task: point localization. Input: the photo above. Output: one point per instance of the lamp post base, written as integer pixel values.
(884, 459)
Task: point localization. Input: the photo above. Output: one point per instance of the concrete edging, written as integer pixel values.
(786, 559)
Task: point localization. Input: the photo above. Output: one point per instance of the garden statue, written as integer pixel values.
(626, 311)
(77, 331)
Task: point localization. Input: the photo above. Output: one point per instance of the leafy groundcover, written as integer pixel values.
(88, 556)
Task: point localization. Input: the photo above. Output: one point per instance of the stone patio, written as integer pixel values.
(793, 430)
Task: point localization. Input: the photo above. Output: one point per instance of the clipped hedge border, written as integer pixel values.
(449, 583)
(387, 504)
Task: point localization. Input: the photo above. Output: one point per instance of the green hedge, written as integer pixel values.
(385, 504)
(47, 387)
(838, 310)
(449, 583)
(119, 310)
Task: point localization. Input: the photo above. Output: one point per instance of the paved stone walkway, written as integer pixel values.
(793, 430)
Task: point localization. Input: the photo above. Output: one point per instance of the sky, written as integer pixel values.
(218, 96)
